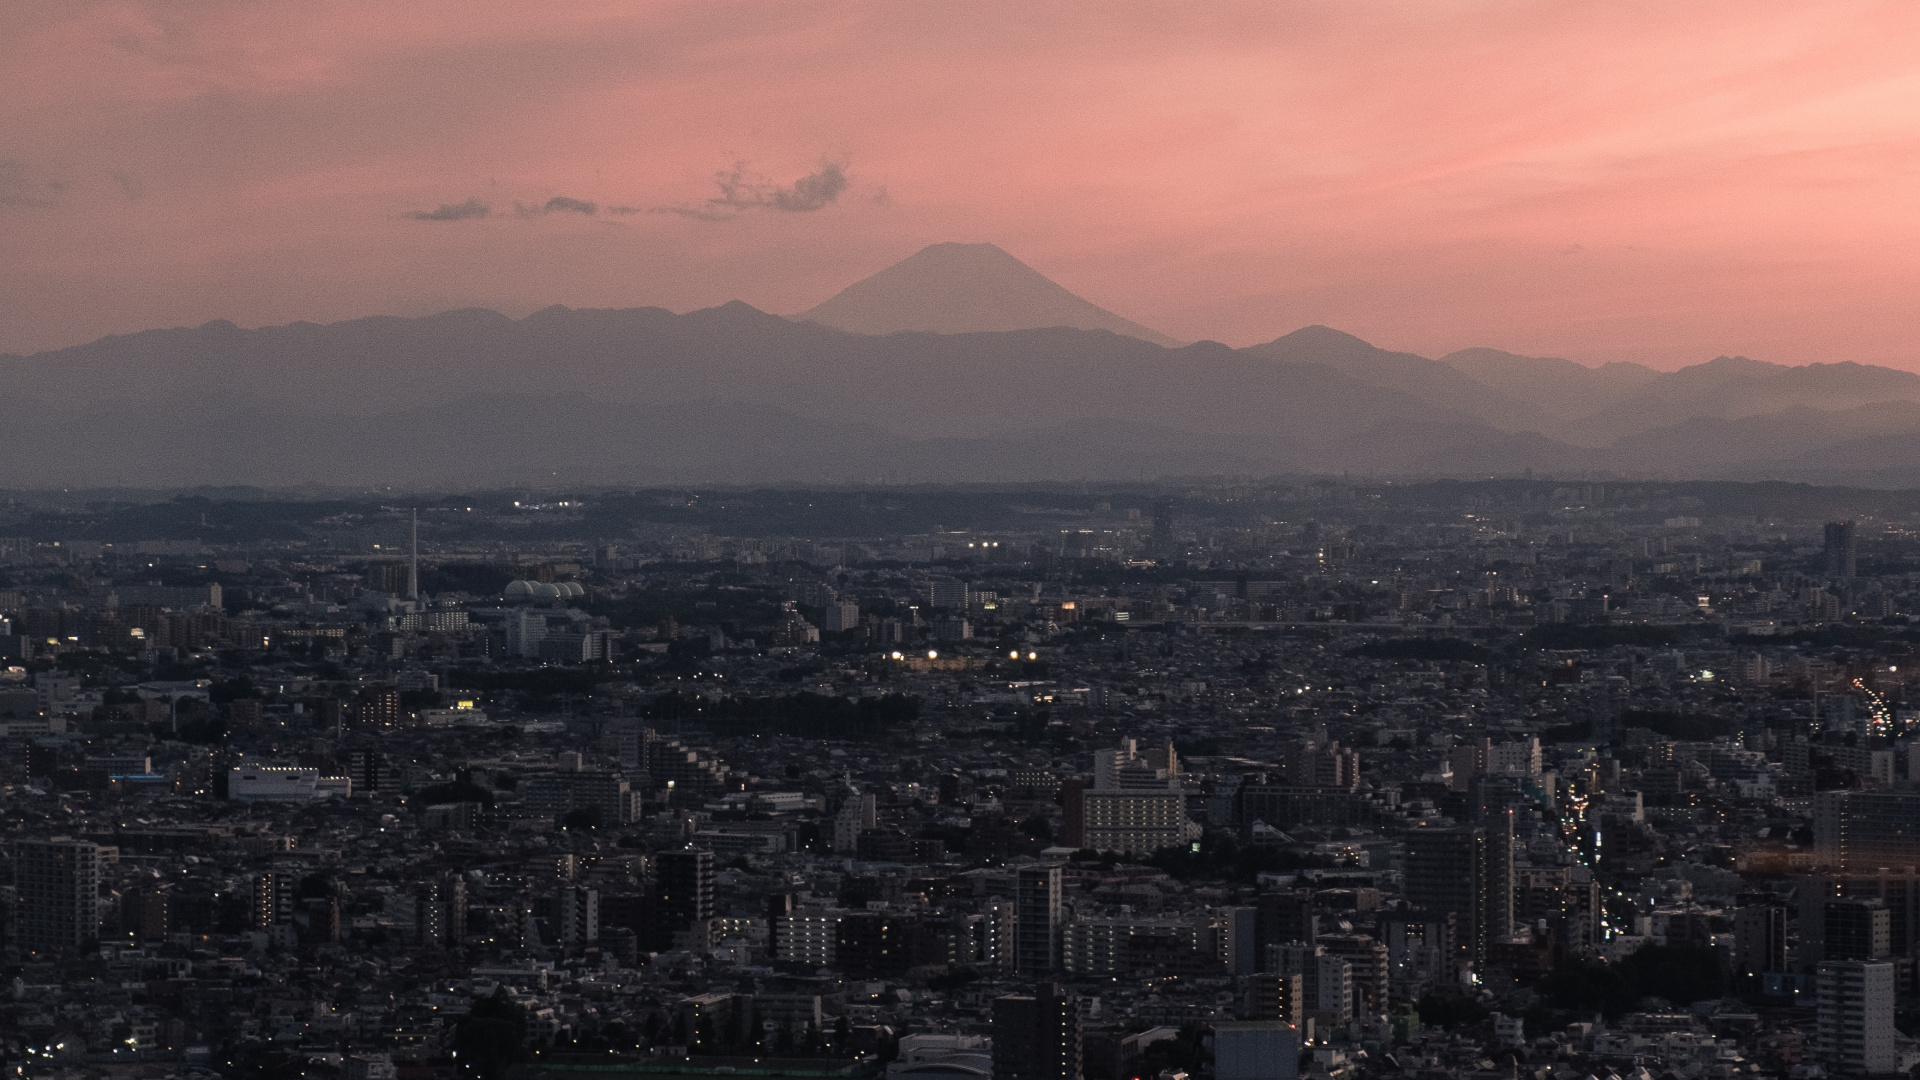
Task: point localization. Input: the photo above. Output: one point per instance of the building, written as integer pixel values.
(1839, 555)
(858, 814)
(279, 783)
(1760, 938)
(943, 1057)
(58, 884)
(576, 916)
(1855, 1032)
(810, 937)
(841, 616)
(1037, 921)
(1863, 831)
(1037, 1037)
(1466, 872)
(682, 894)
(1255, 1050)
(1136, 805)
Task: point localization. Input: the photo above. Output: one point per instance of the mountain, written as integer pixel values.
(736, 395)
(1730, 387)
(965, 289)
(1429, 380)
(1555, 390)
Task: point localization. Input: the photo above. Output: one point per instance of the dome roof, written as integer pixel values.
(544, 590)
(519, 590)
(572, 589)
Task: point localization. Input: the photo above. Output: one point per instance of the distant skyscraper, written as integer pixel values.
(1162, 528)
(1842, 549)
(58, 881)
(1036, 921)
(1855, 1032)
(1037, 1037)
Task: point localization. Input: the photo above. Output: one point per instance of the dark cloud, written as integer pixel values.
(741, 192)
(624, 210)
(559, 204)
(472, 208)
(812, 192)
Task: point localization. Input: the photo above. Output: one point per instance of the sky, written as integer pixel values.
(1619, 180)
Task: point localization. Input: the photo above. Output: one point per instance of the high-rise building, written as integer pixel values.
(858, 814)
(1863, 831)
(1037, 1037)
(1136, 806)
(1162, 544)
(1036, 901)
(576, 915)
(1854, 1036)
(841, 615)
(1840, 553)
(273, 898)
(682, 893)
(1760, 937)
(58, 884)
(1468, 873)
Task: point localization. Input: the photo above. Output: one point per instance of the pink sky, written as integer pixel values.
(1644, 181)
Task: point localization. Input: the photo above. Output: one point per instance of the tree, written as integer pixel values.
(492, 1036)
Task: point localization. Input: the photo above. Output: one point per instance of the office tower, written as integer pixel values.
(1898, 890)
(1036, 903)
(58, 883)
(858, 814)
(1037, 1037)
(1855, 1032)
(1468, 873)
(1864, 831)
(1840, 554)
(682, 893)
(1760, 937)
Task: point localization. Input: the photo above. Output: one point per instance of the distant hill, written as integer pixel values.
(735, 395)
(965, 289)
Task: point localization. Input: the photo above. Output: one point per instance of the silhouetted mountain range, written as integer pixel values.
(734, 395)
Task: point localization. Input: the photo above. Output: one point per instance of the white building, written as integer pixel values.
(1855, 1032)
(858, 814)
(943, 1057)
(281, 783)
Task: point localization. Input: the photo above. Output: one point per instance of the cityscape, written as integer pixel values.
(853, 540)
(1302, 777)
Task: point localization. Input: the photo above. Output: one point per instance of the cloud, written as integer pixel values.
(472, 208)
(812, 192)
(130, 185)
(559, 204)
(740, 192)
(17, 189)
